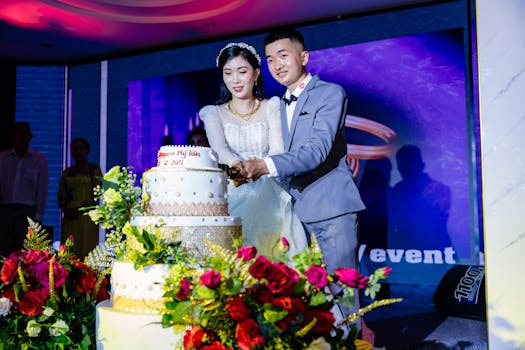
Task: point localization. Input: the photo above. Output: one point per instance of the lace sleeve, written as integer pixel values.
(215, 132)
(275, 134)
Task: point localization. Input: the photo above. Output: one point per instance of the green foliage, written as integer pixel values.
(119, 199)
(37, 237)
(47, 298)
(154, 250)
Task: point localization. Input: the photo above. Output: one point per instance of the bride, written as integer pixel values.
(244, 125)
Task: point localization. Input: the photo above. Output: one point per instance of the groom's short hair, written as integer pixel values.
(284, 33)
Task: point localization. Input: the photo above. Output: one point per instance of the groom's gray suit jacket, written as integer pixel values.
(314, 162)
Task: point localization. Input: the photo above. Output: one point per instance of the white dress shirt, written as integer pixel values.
(290, 108)
(24, 180)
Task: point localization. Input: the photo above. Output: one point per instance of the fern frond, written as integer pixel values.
(370, 307)
(101, 258)
(238, 266)
(37, 237)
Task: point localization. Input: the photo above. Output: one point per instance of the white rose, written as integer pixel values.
(94, 215)
(319, 344)
(58, 328)
(5, 306)
(33, 328)
(111, 196)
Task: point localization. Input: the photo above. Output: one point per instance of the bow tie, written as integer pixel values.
(292, 98)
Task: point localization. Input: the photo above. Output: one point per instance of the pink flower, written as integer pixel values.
(384, 272)
(246, 253)
(59, 274)
(184, 289)
(211, 278)
(317, 276)
(351, 278)
(285, 242)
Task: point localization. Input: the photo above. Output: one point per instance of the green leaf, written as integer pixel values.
(204, 292)
(318, 299)
(181, 312)
(272, 316)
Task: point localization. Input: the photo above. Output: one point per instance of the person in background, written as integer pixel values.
(23, 188)
(197, 137)
(244, 125)
(76, 191)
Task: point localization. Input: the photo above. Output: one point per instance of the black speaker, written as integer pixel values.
(461, 292)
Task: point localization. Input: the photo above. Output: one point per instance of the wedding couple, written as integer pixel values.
(297, 143)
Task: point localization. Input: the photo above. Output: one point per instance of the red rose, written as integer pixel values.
(33, 257)
(216, 345)
(32, 302)
(248, 335)
(85, 282)
(9, 294)
(317, 276)
(261, 267)
(296, 312)
(194, 337)
(9, 271)
(42, 274)
(261, 294)
(81, 266)
(184, 289)
(237, 309)
(282, 279)
(102, 291)
(325, 321)
(246, 253)
(351, 278)
(211, 278)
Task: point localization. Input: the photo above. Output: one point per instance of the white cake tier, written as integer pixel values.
(138, 291)
(191, 231)
(183, 192)
(118, 330)
(187, 157)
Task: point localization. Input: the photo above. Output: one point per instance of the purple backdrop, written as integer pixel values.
(419, 218)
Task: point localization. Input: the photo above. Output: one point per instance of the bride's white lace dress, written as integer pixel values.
(264, 205)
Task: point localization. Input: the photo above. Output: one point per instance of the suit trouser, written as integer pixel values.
(337, 239)
(13, 226)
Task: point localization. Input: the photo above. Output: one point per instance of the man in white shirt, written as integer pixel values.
(23, 188)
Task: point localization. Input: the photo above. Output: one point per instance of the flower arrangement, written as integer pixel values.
(47, 298)
(244, 301)
(119, 198)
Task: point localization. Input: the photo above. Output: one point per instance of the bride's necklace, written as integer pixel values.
(244, 115)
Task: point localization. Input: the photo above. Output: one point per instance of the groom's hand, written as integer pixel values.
(254, 169)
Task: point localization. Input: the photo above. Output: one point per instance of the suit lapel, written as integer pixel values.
(284, 126)
(303, 97)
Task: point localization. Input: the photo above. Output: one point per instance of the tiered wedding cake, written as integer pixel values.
(186, 200)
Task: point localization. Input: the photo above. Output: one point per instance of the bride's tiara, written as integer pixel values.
(243, 46)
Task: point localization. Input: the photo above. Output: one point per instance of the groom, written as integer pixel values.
(326, 199)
